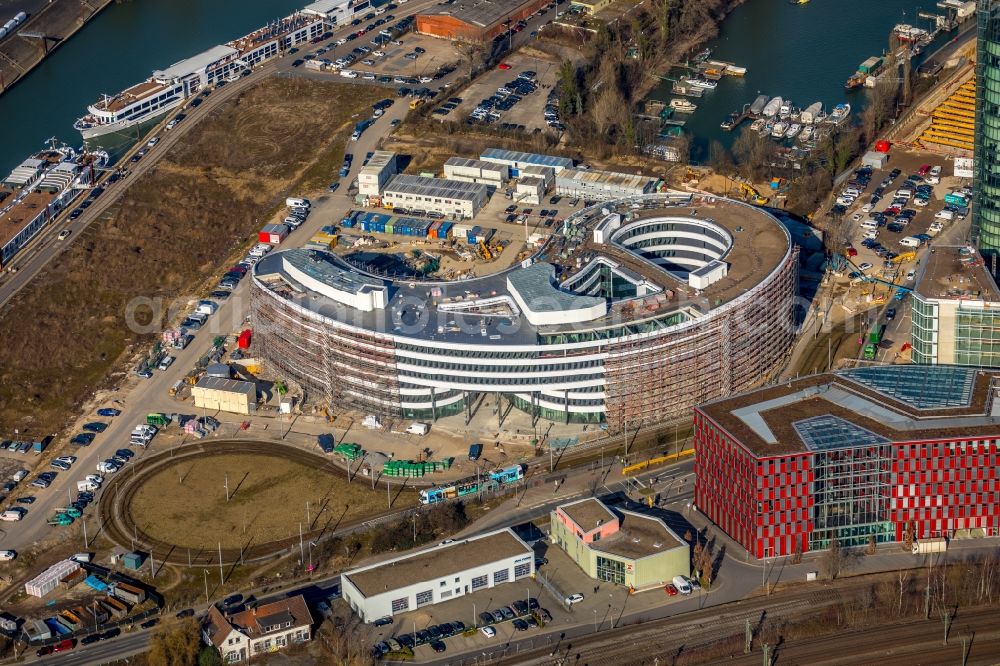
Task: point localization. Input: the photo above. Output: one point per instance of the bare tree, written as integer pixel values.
(833, 559)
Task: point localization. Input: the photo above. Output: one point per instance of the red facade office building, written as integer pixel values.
(851, 455)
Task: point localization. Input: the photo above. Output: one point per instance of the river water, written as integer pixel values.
(121, 46)
(803, 52)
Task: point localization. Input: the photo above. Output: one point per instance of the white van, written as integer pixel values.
(19, 475)
(945, 215)
(869, 225)
(12, 515)
(295, 201)
(680, 582)
(909, 241)
(85, 486)
(418, 428)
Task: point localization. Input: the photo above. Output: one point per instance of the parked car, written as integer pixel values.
(574, 599)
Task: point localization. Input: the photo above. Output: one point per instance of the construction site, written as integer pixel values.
(639, 309)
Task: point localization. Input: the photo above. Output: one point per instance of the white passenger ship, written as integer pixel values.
(166, 89)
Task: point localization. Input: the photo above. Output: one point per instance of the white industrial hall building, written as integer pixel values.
(437, 574)
(453, 198)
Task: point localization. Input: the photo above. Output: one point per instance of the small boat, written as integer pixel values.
(785, 109)
(758, 125)
(758, 105)
(702, 83)
(840, 113)
(771, 108)
(682, 105)
(690, 91)
(793, 130)
(807, 133)
(735, 70)
(808, 116)
(780, 127)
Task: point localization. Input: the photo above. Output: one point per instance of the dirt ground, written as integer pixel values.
(174, 229)
(186, 503)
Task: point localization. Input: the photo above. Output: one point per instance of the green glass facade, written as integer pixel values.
(925, 331)
(977, 338)
(973, 338)
(986, 184)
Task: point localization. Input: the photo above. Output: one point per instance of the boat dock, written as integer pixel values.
(42, 33)
(736, 118)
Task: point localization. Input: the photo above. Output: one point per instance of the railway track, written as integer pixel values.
(117, 524)
(642, 640)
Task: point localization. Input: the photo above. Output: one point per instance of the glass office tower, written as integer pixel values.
(986, 202)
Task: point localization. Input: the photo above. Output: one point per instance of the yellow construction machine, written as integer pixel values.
(751, 194)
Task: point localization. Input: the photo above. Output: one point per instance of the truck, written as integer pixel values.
(38, 447)
(86, 486)
(931, 545)
(875, 337)
(475, 451)
(870, 351)
(157, 419)
(360, 128)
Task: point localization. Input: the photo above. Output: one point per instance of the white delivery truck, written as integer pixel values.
(86, 486)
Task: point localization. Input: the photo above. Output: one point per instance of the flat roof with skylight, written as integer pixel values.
(862, 407)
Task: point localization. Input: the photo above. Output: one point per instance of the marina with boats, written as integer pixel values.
(711, 79)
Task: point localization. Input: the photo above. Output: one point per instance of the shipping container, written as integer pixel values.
(273, 233)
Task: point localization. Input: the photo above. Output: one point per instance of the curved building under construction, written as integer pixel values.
(638, 310)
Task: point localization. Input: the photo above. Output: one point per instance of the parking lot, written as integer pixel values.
(511, 107)
(509, 610)
(893, 204)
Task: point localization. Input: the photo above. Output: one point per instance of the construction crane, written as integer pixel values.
(750, 193)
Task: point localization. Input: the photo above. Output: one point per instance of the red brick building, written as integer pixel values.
(852, 455)
(475, 20)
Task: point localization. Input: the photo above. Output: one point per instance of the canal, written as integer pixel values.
(802, 52)
(122, 46)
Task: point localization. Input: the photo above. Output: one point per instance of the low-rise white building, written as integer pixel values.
(436, 195)
(374, 175)
(518, 160)
(529, 190)
(602, 185)
(477, 171)
(257, 631)
(437, 574)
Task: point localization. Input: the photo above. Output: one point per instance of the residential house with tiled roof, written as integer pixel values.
(266, 628)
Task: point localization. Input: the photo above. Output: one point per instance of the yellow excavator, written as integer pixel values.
(751, 194)
(485, 251)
